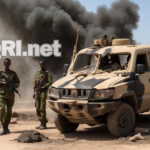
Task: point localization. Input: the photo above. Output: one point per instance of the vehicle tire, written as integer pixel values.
(64, 125)
(121, 122)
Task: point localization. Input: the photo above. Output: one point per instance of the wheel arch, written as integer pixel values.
(130, 98)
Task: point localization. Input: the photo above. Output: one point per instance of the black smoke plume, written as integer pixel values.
(42, 21)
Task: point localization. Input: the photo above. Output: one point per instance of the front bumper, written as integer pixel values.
(81, 111)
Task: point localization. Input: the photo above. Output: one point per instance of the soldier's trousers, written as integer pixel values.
(41, 109)
(6, 110)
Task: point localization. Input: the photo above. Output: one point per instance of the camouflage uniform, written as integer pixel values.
(46, 80)
(116, 66)
(7, 97)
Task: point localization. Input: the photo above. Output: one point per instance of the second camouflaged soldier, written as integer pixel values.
(7, 97)
(42, 81)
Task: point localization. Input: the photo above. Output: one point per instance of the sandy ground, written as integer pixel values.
(86, 137)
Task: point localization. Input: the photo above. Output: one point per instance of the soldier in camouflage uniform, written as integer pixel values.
(42, 81)
(7, 97)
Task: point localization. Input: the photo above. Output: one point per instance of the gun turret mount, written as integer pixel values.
(112, 42)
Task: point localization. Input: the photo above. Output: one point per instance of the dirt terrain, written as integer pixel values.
(86, 137)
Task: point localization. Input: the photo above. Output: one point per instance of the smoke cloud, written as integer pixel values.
(42, 21)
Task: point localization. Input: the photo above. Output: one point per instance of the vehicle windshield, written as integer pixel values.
(114, 62)
(85, 62)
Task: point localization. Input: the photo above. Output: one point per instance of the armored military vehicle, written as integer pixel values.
(105, 84)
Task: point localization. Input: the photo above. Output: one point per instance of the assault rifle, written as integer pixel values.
(39, 85)
(38, 89)
(11, 85)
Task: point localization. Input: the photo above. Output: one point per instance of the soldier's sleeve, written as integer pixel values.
(17, 81)
(49, 79)
(34, 82)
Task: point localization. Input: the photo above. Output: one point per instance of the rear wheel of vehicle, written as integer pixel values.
(64, 125)
(121, 122)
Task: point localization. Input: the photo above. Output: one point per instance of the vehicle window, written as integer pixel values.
(115, 62)
(149, 56)
(142, 59)
(105, 63)
(85, 61)
(81, 62)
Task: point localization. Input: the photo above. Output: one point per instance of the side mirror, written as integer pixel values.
(66, 66)
(140, 69)
(136, 76)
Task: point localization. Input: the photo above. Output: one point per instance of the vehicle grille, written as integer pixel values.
(70, 93)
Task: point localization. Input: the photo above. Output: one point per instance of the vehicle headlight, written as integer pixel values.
(103, 93)
(107, 93)
(53, 92)
(97, 94)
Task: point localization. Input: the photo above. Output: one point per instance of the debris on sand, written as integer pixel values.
(122, 138)
(141, 130)
(31, 137)
(25, 116)
(13, 121)
(136, 137)
(15, 115)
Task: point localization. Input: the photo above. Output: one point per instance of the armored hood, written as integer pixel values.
(82, 82)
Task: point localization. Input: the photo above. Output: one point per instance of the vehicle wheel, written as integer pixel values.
(64, 125)
(121, 122)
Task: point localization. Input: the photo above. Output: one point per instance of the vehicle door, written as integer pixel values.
(143, 83)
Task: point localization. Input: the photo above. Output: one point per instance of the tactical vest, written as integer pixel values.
(40, 79)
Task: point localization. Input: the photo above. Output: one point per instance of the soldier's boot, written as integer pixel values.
(38, 126)
(43, 126)
(4, 130)
(8, 131)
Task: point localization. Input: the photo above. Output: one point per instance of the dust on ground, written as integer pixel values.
(86, 137)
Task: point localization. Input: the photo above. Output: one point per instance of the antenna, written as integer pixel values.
(75, 47)
(74, 50)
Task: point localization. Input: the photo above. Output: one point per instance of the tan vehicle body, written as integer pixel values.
(127, 88)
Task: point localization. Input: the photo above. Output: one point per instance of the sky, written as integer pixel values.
(141, 34)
